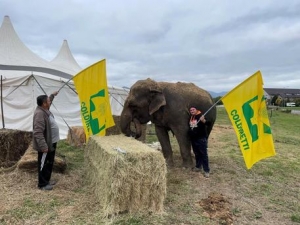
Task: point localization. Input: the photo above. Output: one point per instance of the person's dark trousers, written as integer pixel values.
(44, 175)
(200, 150)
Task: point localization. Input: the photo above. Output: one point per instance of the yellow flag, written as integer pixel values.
(91, 86)
(246, 108)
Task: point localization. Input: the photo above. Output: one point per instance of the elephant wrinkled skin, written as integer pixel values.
(166, 105)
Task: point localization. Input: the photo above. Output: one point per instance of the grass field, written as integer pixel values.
(269, 193)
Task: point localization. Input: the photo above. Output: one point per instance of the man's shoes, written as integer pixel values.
(196, 169)
(206, 174)
(48, 187)
(52, 182)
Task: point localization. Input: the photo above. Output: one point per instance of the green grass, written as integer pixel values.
(34, 209)
(73, 155)
(222, 116)
(295, 218)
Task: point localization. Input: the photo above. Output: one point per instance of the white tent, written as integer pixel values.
(16, 59)
(26, 76)
(19, 102)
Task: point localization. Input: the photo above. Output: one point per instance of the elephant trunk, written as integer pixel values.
(138, 128)
(126, 128)
(125, 121)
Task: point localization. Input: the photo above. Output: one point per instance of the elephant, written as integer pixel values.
(166, 105)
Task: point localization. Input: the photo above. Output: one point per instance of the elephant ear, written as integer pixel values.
(157, 100)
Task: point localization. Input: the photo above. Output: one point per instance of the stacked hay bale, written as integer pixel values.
(13, 144)
(28, 162)
(125, 174)
(76, 136)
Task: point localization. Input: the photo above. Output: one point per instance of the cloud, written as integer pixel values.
(215, 44)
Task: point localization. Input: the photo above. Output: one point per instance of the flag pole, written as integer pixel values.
(78, 74)
(3, 124)
(65, 84)
(212, 106)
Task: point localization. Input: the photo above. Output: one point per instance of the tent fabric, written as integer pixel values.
(14, 55)
(19, 102)
(25, 76)
(65, 59)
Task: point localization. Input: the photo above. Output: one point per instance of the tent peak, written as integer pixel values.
(65, 58)
(16, 56)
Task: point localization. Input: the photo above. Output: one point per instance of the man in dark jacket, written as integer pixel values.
(45, 138)
(198, 136)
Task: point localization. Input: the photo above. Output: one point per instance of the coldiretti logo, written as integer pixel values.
(93, 116)
(248, 114)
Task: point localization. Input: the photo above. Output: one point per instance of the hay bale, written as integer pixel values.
(28, 162)
(76, 136)
(13, 144)
(125, 174)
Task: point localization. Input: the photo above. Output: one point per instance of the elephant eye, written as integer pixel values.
(138, 104)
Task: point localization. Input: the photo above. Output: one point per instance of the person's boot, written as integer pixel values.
(48, 187)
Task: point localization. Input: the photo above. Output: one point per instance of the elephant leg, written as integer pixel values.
(185, 150)
(164, 140)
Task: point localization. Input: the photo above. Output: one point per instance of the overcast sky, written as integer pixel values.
(215, 44)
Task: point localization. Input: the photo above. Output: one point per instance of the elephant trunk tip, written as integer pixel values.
(133, 134)
(130, 127)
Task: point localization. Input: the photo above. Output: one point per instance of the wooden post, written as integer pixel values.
(3, 124)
